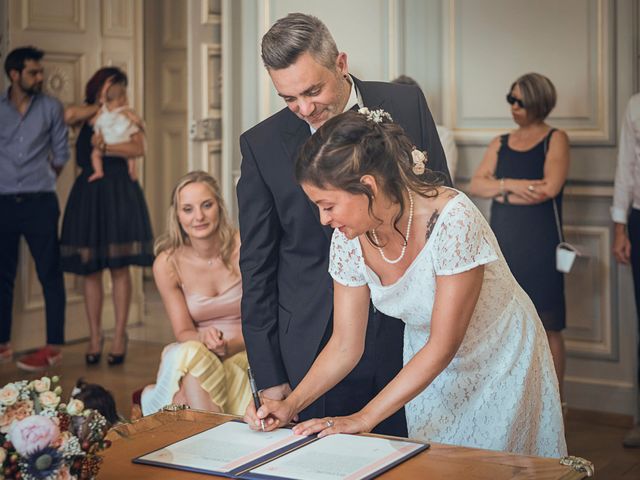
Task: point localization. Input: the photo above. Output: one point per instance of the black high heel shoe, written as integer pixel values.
(118, 358)
(94, 357)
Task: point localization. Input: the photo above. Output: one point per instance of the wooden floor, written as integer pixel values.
(596, 437)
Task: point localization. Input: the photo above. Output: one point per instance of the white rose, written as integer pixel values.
(42, 385)
(75, 407)
(3, 455)
(49, 399)
(9, 394)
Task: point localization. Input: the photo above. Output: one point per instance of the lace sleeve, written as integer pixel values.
(345, 261)
(462, 242)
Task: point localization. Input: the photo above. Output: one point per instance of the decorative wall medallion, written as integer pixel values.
(58, 83)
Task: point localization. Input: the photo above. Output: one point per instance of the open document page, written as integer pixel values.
(226, 449)
(338, 457)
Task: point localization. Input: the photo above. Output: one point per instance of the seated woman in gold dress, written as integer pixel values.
(197, 274)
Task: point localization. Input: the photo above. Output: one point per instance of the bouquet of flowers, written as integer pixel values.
(42, 438)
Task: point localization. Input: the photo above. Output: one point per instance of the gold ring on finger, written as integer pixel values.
(329, 423)
(531, 188)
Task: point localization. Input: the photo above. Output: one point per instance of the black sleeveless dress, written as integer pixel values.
(106, 222)
(528, 235)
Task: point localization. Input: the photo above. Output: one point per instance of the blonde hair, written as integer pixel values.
(175, 237)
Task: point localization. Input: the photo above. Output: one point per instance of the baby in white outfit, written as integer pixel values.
(116, 123)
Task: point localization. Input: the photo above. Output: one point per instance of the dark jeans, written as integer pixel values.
(380, 363)
(634, 237)
(34, 215)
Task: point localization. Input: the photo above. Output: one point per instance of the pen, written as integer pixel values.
(254, 392)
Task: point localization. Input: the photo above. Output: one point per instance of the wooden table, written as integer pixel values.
(438, 462)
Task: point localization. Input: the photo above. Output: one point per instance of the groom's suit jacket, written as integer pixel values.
(287, 300)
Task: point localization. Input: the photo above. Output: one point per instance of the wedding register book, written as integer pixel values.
(234, 450)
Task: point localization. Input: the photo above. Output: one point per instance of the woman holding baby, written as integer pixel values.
(106, 223)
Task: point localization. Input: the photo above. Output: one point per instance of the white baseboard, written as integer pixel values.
(601, 396)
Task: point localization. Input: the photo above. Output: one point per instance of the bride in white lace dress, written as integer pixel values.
(477, 366)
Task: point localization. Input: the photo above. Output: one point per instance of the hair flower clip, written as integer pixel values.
(419, 160)
(375, 116)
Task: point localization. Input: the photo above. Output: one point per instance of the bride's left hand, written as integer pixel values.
(355, 423)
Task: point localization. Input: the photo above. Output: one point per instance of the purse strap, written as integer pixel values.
(558, 226)
(553, 200)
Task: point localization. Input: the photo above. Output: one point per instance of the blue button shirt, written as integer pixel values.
(31, 144)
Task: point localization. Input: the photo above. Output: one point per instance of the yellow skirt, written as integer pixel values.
(225, 381)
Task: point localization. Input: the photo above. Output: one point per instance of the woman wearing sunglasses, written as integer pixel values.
(524, 173)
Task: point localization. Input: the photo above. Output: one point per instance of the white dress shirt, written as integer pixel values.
(627, 184)
(354, 99)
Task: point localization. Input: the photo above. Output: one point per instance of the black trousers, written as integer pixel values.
(34, 216)
(380, 363)
(633, 226)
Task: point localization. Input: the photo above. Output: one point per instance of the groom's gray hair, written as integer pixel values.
(295, 34)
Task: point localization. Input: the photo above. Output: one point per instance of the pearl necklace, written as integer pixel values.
(406, 237)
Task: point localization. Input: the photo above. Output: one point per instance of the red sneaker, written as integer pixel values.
(40, 359)
(6, 353)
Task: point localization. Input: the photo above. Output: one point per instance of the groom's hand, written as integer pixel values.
(278, 392)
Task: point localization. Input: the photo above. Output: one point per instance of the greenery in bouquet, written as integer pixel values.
(42, 438)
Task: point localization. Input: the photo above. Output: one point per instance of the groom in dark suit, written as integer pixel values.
(287, 301)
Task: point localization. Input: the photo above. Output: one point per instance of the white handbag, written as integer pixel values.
(565, 252)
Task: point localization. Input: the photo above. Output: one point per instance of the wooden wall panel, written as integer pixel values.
(54, 15)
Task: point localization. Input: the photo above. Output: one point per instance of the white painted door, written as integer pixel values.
(210, 144)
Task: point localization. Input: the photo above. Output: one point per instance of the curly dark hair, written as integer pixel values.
(98, 398)
(349, 146)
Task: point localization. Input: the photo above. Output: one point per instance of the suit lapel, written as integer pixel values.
(296, 132)
(293, 137)
(372, 98)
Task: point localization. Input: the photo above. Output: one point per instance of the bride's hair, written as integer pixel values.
(174, 237)
(351, 145)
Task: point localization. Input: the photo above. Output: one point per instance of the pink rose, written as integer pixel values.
(49, 399)
(42, 385)
(33, 434)
(22, 409)
(75, 407)
(9, 394)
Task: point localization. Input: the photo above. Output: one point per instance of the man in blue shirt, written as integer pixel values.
(33, 149)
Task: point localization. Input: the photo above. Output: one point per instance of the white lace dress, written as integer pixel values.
(500, 392)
